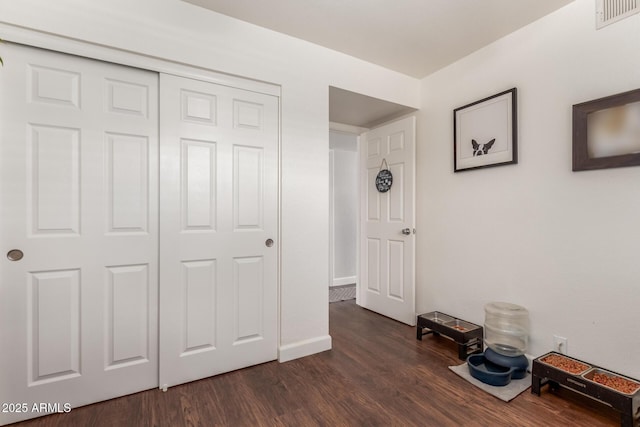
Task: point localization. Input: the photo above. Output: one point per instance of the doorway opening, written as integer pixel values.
(351, 115)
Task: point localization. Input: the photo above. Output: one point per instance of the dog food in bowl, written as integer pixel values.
(613, 381)
(565, 363)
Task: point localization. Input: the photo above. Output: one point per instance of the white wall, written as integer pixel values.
(174, 30)
(564, 244)
(344, 207)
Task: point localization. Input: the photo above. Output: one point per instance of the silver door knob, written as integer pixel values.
(406, 231)
(268, 243)
(15, 255)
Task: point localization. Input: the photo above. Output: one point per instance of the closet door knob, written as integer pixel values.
(15, 255)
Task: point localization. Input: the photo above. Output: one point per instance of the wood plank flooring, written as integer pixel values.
(377, 374)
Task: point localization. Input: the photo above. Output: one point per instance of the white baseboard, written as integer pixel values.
(304, 348)
(341, 281)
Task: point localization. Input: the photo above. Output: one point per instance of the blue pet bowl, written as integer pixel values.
(488, 372)
(520, 363)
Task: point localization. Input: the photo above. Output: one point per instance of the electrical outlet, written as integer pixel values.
(560, 344)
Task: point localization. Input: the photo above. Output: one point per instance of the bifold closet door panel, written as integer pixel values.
(78, 229)
(219, 228)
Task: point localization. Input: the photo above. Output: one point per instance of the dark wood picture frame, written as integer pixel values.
(581, 158)
(466, 125)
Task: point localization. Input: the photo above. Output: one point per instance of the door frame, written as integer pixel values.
(86, 49)
(34, 38)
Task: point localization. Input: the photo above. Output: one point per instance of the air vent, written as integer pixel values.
(610, 11)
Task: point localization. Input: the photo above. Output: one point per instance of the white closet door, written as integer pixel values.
(219, 204)
(78, 198)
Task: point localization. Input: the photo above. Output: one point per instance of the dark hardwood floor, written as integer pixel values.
(377, 374)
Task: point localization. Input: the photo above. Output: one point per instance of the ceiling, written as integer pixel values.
(413, 37)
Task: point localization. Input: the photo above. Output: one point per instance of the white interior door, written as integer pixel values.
(219, 203)
(78, 198)
(387, 221)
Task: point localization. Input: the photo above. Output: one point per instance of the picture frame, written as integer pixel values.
(485, 132)
(606, 132)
